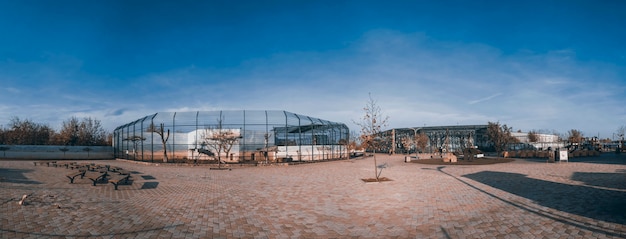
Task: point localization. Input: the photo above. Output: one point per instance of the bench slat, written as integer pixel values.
(116, 180)
(73, 175)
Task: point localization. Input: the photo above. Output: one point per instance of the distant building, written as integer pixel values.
(543, 142)
(441, 138)
(457, 137)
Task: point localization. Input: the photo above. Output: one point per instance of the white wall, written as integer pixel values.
(311, 152)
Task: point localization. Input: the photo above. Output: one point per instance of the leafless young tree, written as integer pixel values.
(621, 132)
(135, 139)
(164, 135)
(220, 139)
(418, 141)
(372, 125)
(407, 143)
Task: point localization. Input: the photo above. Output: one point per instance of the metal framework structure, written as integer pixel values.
(441, 138)
(262, 135)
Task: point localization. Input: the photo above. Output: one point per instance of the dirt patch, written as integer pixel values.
(373, 180)
(479, 161)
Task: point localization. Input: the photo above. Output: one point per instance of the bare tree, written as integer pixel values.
(86, 132)
(69, 132)
(266, 138)
(575, 137)
(164, 135)
(533, 136)
(27, 132)
(421, 141)
(91, 132)
(500, 136)
(620, 133)
(418, 141)
(220, 139)
(135, 139)
(372, 125)
(407, 143)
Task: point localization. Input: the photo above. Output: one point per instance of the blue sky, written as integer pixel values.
(533, 65)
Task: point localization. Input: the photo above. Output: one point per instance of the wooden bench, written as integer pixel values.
(123, 172)
(78, 166)
(73, 175)
(96, 177)
(115, 169)
(119, 179)
(89, 166)
(66, 164)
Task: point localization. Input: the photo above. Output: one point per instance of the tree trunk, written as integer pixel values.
(375, 166)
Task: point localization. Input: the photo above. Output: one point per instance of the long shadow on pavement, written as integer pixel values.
(605, 158)
(606, 180)
(595, 203)
(16, 176)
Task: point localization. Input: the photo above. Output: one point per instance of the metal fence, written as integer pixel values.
(263, 136)
(440, 138)
(55, 152)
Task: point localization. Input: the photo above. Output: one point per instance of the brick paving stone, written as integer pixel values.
(521, 199)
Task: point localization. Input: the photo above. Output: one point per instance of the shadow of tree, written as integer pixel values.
(602, 159)
(595, 203)
(607, 180)
(16, 176)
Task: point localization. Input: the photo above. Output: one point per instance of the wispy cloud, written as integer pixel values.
(417, 80)
(484, 99)
(116, 112)
(12, 90)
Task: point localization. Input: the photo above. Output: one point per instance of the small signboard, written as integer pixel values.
(563, 155)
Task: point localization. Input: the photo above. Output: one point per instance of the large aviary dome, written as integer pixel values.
(257, 135)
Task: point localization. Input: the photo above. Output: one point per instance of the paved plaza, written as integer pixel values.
(527, 198)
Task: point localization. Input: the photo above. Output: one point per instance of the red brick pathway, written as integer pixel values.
(522, 199)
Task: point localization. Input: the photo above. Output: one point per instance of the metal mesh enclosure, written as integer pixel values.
(440, 138)
(272, 136)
